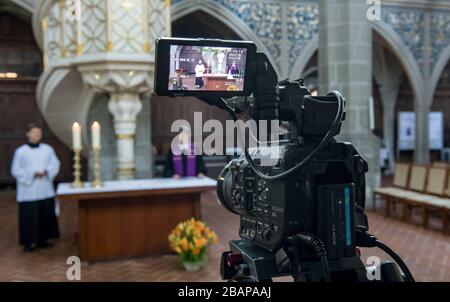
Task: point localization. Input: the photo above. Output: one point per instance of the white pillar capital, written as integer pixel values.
(124, 86)
(126, 78)
(125, 107)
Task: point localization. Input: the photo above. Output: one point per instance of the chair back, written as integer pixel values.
(401, 175)
(436, 180)
(418, 178)
(447, 189)
(440, 164)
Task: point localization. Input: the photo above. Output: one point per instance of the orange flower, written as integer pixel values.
(197, 232)
(199, 243)
(184, 244)
(191, 237)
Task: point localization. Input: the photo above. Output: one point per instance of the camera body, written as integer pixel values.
(325, 198)
(303, 215)
(320, 199)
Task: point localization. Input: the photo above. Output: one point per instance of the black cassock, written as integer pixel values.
(35, 195)
(37, 222)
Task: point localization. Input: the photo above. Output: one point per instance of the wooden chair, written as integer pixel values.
(428, 188)
(409, 196)
(436, 179)
(416, 187)
(446, 218)
(438, 201)
(433, 199)
(440, 164)
(400, 185)
(418, 178)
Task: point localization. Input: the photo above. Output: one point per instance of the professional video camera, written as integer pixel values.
(304, 215)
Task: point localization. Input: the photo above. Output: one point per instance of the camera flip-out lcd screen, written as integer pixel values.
(202, 67)
(207, 68)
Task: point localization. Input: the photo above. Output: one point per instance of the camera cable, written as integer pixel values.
(317, 245)
(365, 239)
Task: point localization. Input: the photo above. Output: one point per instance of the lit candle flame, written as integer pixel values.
(96, 141)
(76, 136)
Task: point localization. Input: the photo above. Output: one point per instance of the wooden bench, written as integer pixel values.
(400, 187)
(428, 188)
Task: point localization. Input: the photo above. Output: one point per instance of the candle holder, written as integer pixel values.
(77, 183)
(97, 183)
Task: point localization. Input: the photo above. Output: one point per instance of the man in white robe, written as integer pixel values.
(34, 167)
(199, 71)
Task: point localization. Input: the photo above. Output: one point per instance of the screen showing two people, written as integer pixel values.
(207, 68)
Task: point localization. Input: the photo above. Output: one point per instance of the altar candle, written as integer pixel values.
(96, 135)
(76, 136)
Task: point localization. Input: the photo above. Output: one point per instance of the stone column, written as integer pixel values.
(345, 64)
(388, 74)
(422, 103)
(124, 88)
(125, 107)
(422, 149)
(388, 99)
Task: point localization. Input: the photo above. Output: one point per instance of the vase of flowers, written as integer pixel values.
(190, 240)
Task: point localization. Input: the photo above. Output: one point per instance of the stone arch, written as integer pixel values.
(439, 68)
(27, 5)
(404, 55)
(224, 15)
(299, 65)
(398, 47)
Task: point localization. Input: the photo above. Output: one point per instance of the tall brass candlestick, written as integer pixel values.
(77, 183)
(97, 183)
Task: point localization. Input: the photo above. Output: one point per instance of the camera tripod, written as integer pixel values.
(246, 262)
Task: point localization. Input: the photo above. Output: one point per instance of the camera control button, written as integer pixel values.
(265, 234)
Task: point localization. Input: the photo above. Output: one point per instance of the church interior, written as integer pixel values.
(81, 75)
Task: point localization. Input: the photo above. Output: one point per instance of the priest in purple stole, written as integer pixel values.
(181, 160)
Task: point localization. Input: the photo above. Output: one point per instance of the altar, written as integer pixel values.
(218, 82)
(132, 218)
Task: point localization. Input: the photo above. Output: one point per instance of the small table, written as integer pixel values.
(131, 218)
(218, 82)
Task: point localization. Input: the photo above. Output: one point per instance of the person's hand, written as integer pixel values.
(176, 176)
(40, 174)
(200, 175)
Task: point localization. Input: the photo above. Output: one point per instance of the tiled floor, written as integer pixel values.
(426, 252)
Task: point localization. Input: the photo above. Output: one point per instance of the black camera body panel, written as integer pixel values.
(318, 200)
